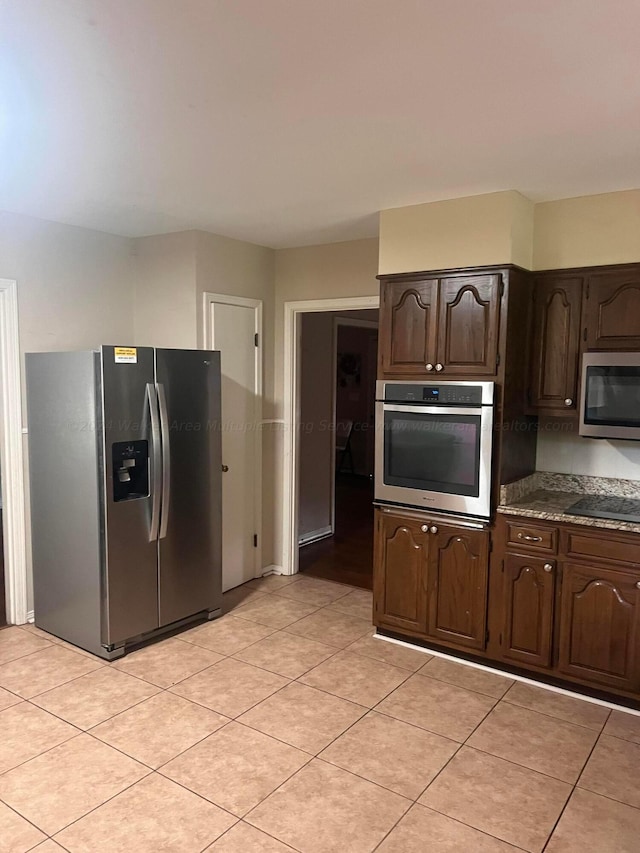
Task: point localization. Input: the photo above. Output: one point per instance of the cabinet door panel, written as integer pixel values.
(408, 327)
(556, 343)
(599, 626)
(612, 311)
(458, 586)
(400, 570)
(468, 325)
(528, 609)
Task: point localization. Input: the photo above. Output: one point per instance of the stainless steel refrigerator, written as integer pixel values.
(125, 478)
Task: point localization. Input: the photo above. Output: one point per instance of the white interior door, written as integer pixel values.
(234, 324)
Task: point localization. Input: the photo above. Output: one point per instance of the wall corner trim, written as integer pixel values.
(11, 454)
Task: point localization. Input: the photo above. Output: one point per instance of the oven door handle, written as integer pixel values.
(435, 410)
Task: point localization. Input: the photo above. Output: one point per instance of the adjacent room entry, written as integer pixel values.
(338, 360)
(233, 325)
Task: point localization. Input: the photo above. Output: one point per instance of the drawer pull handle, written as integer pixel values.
(548, 567)
(529, 538)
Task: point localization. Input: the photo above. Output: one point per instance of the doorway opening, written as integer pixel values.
(337, 376)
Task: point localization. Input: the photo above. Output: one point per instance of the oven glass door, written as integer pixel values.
(612, 396)
(435, 452)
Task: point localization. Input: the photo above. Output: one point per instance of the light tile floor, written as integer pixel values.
(284, 726)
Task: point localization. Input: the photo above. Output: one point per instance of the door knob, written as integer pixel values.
(425, 528)
(548, 567)
(225, 468)
(439, 367)
(429, 366)
(568, 402)
(433, 529)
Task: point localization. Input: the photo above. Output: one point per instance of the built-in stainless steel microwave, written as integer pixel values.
(610, 399)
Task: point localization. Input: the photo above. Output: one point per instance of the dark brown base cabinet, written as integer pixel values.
(559, 600)
(430, 579)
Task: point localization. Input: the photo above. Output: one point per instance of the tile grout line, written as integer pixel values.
(312, 756)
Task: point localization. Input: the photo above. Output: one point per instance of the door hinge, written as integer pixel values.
(584, 334)
(502, 566)
(256, 339)
(501, 287)
(486, 636)
(498, 360)
(587, 291)
(255, 540)
(500, 639)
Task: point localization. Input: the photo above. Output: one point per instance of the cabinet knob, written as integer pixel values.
(638, 584)
(433, 529)
(568, 402)
(429, 366)
(225, 468)
(425, 528)
(548, 567)
(439, 367)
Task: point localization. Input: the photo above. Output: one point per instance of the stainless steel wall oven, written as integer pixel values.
(434, 445)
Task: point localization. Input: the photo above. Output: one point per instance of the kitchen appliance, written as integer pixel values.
(610, 401)
(125, 468)
(607, 506)
(434, 445)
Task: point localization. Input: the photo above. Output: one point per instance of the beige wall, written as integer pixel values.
(316, 414)
(590, 230)
(495, 228)
(74, 292)
(165, 311)
(74, 285)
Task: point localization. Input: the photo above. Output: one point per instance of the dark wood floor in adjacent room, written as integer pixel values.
(347, 556)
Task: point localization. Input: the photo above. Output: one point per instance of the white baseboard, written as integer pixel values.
(494, 671)
(315, 535)
(272, 570)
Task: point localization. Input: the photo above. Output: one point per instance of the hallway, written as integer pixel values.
(347, 556)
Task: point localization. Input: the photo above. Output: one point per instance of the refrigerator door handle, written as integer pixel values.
(156, 486)
(166, 461)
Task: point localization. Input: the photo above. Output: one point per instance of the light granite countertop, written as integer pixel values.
(547, 496)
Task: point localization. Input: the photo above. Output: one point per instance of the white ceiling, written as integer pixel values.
(290, 122)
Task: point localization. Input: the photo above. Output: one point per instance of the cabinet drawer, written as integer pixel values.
(533, 536)
(603, 545)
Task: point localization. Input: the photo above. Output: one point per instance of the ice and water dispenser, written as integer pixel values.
(130, 460)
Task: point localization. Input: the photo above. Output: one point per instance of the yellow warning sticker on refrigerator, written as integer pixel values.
(125, 355)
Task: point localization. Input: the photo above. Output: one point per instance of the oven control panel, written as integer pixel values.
(441, 394)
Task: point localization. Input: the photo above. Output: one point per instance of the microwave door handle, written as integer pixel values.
(156, 461)
(166, 461)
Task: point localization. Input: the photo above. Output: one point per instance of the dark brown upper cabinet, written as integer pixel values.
(444, 325)
(408, 323)
(555, 343)
(612, 309)
(468, 325)
(458, 586)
